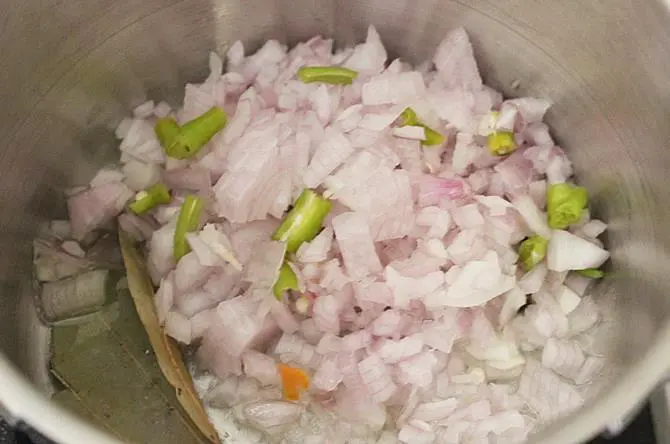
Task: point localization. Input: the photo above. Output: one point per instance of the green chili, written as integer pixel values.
(334, 75)
(150, 198)
(532, 251)
(287, 280)
(304, 221)
(188, 221)
(187, 140)
(565, 204)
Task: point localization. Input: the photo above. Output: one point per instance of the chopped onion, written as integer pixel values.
(362, 254)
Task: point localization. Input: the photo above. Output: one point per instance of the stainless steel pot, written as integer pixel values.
(71, 69)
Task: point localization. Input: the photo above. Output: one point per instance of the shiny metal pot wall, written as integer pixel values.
(71, 69)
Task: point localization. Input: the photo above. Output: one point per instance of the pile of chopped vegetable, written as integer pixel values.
(361, 250)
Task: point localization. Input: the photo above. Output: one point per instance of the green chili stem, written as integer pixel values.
(188, 221)
(334, 75)
(150, 198)
(304, 221)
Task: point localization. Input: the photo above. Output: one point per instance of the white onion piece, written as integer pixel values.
(93, 208)
(164, 299)
(474, 411)
(369, 57)
(393, 88)
(73, 248)
(326, 313)
(161, 256)
(592, 366)
(178, 327)
(373, 292)
(390, 323)
(105, 176)
(201, 322)
(593, 228)
(405, 289)
(548, 395)
(123, 128)
(569, 252)
(357, 340)
(392, 351)
(418, 370)
(441, 333)
(294, 348)
(534, 218)
(334, 150)
(387, 437)
(283, 316)
(455, 61)
(567, 299)
(205, 255)
(467, 216)
(355, 241)
(377, 377)
(410, 132)
(531, 109)
(585, 316)
(263, 267)
(237, 326)
(311, 333)
(564, 357)
(501, 422)
(190, 273)
(139, 228)
(477, 283)
(317, 249)
(269, 414)
(328, 376)
(436, 219)
(433, 411)
(260, 366)
(140, 175)
(191, 303)
(513, 300)
(532, 281)
(416, 433)
(578, 283)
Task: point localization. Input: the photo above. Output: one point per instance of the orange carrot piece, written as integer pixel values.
(294, 381)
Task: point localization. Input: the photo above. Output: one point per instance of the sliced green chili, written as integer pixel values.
(188, 221)
(532, 251)
(150, 198)
(191, 136)
(565, 204)
(432, 137)
(593, 273)
(334, 75)
(304, 221)
(287, 280)
(166, 130)
(410, 118)
(501, 143)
